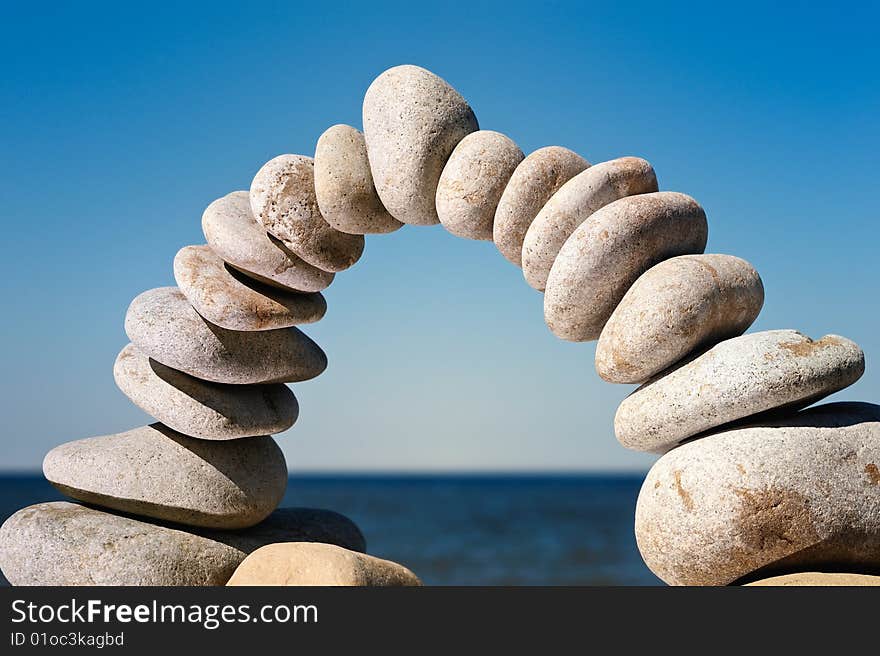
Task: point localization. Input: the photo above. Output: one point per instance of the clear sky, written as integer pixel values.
(119, 124)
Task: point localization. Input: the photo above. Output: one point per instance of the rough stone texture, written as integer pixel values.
(735, 379)
(309, 563)
(573, 204)
(607, 253)
(230, 300)
(198, 408)
(344, 184)
(533, 183)
(675, 307)
(63, 543)
(818, 579)
(164, 326)
(412, 121)
(283, 200)
(472, 182)
(234, 234)
(156, 472)
(799, 493)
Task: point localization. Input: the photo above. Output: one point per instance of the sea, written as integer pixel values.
(467, 529)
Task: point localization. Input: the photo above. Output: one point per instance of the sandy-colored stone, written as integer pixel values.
(412, 122)
(283, 200)
(735, 379)
(344, 184)
(674, 308)
(818, 579)
(231, 300)
(309, 563)
(799, 493)
(533, 183)
(607, 253)
(198, 408)
(234, 234)
(164, 326)
(63, 544)
(156, 472)
(573, 204)
(472, 182)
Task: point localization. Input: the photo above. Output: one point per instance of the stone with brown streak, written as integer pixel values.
(677, 306)
(283, 200)
(472, 183)
(818, 579)
(231, 300)
(733, 380)
(234, 234)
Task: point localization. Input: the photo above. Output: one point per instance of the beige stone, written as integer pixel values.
(735, 379)
(344, 184)
(533, 183)
(234, 234)
(799, 493)
(230, 300)
(283, 200)
(66, 544)
(164, 326)
(818, 579)
(310, 563)
(573, 204)
(675, 307)
(157, 472)
(608, 252)
(198, 408)
(472, 182)
(412, 121)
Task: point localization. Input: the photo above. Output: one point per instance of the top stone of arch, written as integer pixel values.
(413, 120)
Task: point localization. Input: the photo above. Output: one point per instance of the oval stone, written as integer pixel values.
(164, 326)
(735, 379)
(799, 493)
(607, 253)
(344, 185)
(533, 183)
(472, 182)
(674, 308)
(157, 472)
(310, 564)
(198, 408)
(230, 300)
(63, 544)
(412, 121)
(283, 200)
(233, 233)
(818, 579)
(573, 204)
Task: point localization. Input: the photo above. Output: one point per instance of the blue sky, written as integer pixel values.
(119, 124)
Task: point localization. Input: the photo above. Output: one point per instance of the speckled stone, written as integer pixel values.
(309, 563)
(230, 300)
(472, 182)
(198, 408)
(234, 234)
(818, 579)
(799, 493)
(156, 472)
(533, 183)
(64, 544)
(674, 308)
(573, 204)
(606, 254)
(344, 184)
(412, 122)
(735, 379)
(283, 200)
(164, 326)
